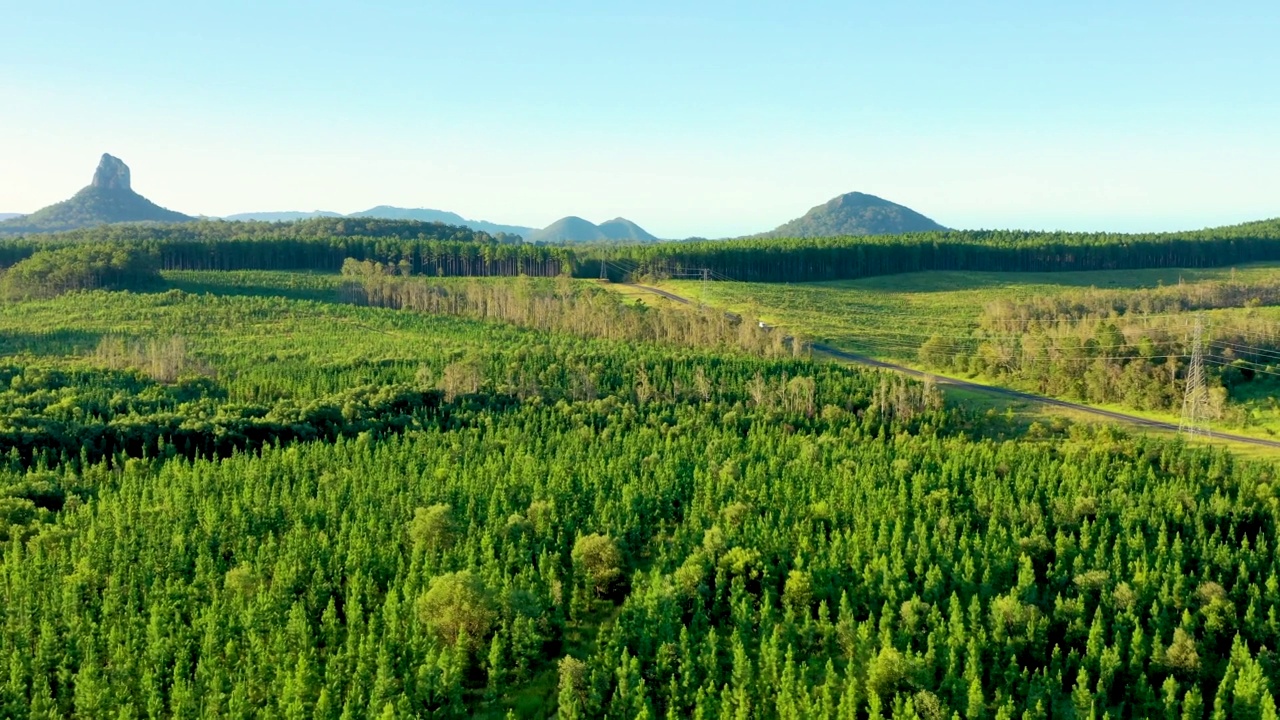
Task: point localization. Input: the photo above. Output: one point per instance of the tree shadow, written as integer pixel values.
(60, 342)
(196, 286)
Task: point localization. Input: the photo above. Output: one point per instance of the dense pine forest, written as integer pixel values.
(270, 498)
(323, 244)
(835, 258)
(315, 244)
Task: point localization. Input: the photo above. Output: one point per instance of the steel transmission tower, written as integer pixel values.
(1195, 401)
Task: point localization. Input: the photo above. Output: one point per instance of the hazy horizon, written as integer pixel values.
(715, 121)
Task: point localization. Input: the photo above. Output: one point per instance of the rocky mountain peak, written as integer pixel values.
(112, 174)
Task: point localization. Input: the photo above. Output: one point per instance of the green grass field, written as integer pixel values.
(890, 316)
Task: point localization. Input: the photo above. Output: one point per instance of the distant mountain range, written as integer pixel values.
(574, 229)
(109, 198)
(566, 230)
(280, 216)
(624, 229)
(387, 212)
(855, 213)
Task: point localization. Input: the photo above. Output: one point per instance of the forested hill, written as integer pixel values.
(574, 229)
(387, 212)
(285, 216)
(855, 213)
(623, 229)
(566, 230)
(109, 198)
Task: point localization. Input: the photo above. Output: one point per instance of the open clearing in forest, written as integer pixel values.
(888, 318)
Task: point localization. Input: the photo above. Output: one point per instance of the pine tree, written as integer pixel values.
(324, 709)
(90, 698)
(1192, 705)
(1082, 696)
(496, 661)
(977, 707)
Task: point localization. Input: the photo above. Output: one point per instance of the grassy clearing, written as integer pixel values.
(890, 316)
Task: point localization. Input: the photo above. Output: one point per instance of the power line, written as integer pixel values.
(976, 331)
(1249, 349)
(1046, 321)
(1226, 362)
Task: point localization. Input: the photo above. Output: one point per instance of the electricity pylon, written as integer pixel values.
(1195, 400)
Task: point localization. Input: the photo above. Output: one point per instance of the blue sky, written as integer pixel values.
(692, 118)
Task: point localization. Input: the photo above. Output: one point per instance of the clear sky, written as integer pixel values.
(691, 118)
